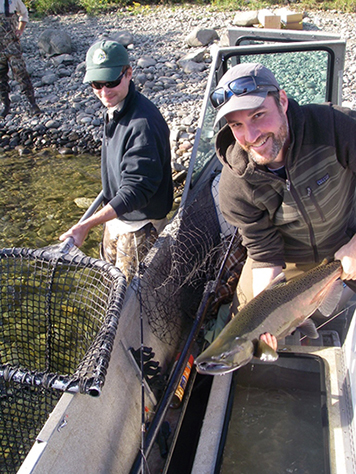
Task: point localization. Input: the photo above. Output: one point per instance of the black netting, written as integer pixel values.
(181, 263)
(58, 319)
(23, 412)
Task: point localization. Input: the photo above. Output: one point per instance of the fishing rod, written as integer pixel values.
(155, 424)
(143, 413)
(330, 319)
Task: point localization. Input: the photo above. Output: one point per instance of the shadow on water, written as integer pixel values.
(40, 198)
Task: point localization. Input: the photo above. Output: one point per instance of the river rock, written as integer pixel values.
(52, 124)
(202, 37)
(63, 59)
(146, 62)
(65, 151)
(52, 42)
(123, 37)
(49, 79)
(83, 203)
(248, 18)
(196, 56)
(191, 66)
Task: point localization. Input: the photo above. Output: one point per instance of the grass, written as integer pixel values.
(95, 7)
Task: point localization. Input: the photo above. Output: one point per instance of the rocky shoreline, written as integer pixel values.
(71, 120)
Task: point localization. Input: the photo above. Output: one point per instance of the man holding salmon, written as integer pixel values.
(288, 178)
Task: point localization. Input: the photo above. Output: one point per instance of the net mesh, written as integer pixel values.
(23, 412)
(180, 265)
(58, 319)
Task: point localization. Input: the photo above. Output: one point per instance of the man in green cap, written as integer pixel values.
(135, 162)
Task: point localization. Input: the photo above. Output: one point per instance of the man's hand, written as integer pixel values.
(79, 231)
(347, 256)
(270, 340)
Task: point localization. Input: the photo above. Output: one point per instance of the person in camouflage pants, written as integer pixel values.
(136, 170)
(11, 28)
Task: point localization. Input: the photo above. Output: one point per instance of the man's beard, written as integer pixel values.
(278, 141)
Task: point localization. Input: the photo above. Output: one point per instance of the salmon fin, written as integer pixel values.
(332, 299)
(280, 279)
(308, 329)
(265, 352)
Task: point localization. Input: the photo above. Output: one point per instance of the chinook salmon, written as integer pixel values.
(279, 309)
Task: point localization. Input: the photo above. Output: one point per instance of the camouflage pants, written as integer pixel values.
(125, 251)
(11, 56)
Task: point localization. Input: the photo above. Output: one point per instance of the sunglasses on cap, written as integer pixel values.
(109, 85)
(241, 86)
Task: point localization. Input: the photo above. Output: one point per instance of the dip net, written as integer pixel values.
(58, 319)
(185, 258)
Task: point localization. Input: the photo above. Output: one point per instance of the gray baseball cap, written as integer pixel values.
(105, 60)
(261, 76)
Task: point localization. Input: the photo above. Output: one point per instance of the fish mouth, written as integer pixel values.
(214, 368)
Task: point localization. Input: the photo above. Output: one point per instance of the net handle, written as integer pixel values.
(65, 247)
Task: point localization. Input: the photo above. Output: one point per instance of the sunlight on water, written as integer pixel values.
(37, 198)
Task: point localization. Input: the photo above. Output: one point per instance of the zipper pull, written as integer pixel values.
(288, 185)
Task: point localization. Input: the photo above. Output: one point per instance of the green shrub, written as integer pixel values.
(347, 6)
(43, 7)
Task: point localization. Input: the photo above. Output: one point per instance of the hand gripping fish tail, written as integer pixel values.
(280, 309)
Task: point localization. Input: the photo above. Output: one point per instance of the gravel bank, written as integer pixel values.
(72, 116)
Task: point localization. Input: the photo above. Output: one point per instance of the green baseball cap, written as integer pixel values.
(104, 61)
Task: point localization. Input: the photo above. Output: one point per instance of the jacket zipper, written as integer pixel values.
(316, 205)
(300, 206)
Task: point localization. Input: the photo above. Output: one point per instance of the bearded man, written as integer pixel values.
(288, 178)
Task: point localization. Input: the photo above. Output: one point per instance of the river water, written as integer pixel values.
(40, 198)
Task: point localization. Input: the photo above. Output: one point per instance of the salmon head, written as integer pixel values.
(231, 355)
(228, 356)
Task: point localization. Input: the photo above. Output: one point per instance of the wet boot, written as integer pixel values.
(34, 109)
(6, 108)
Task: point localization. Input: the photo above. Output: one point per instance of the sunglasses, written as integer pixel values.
(241, 86)
(109, 85)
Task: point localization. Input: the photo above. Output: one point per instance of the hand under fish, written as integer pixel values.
(270, 339)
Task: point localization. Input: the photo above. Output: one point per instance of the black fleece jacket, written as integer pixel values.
(136, 160)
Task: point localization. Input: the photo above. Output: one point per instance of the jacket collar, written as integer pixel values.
(111, 124)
